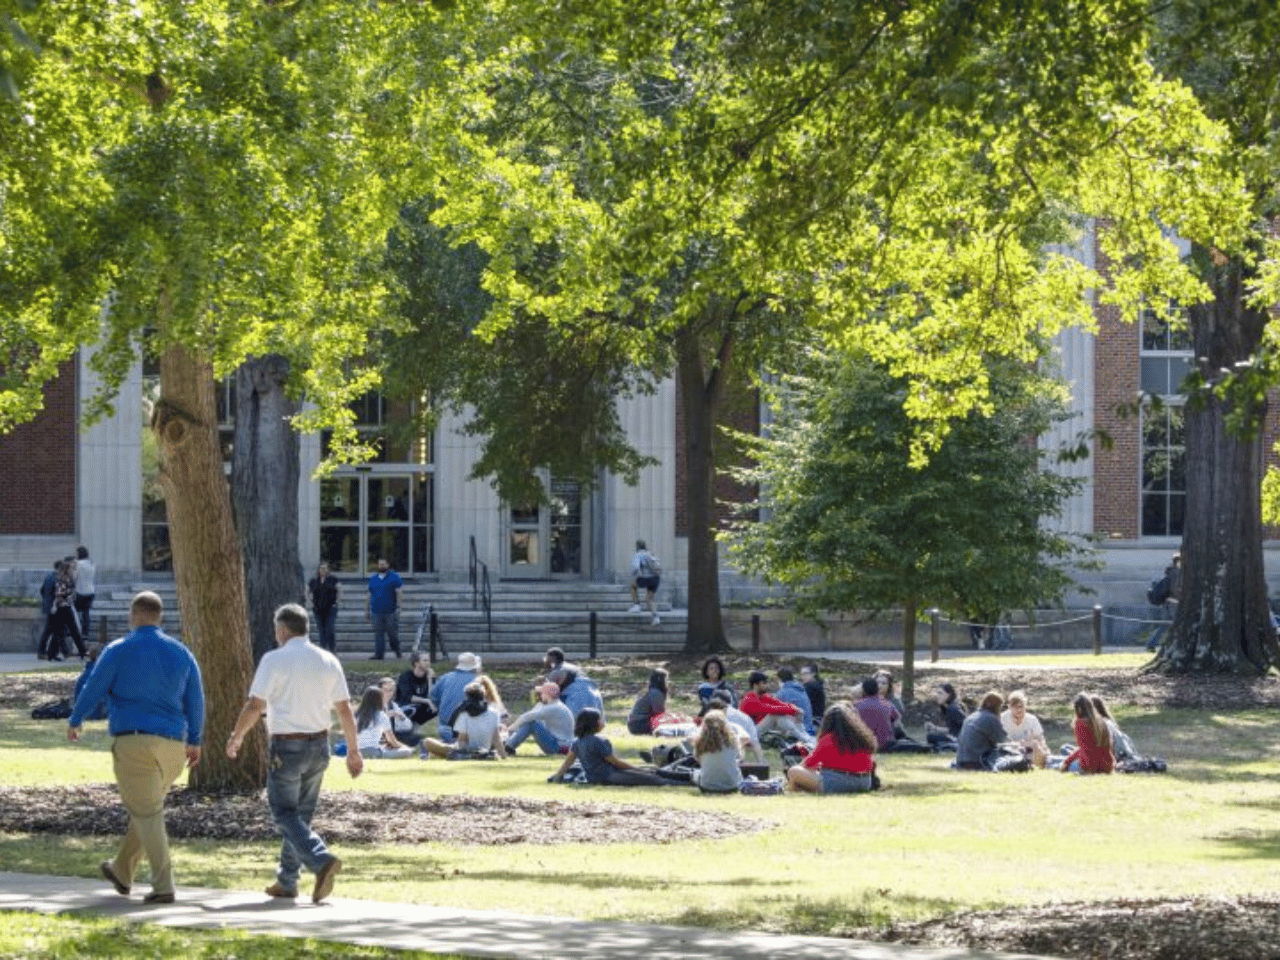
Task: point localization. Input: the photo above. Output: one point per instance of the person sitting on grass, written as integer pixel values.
(978, 746)
(577, 692)
(739, 723)
(599, 764)
(815, 688)
(493, 698)
(877, 713)
(844, 759)
(401, 724)
(1093, 741)
(374, 735)
(718, 753)
(715, 682)
(549, 723)
(772, 716)
(791, 690)
(446, 692)
(951, 713)
(650, 704)
(1122, 747)
(1024, 729)
(476, 726)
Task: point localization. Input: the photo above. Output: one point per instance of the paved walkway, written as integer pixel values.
(472, 933)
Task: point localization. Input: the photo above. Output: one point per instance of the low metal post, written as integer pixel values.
(755, 633)
(592, 634)
(435, 635)
(1097, 629)
(933, 635)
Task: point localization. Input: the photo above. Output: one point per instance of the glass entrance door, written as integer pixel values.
(547, 541)
(365, 516)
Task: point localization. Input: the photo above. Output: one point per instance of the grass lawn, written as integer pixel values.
(24, 936)
(931, 842)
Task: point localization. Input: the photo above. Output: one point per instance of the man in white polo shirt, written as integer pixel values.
(298, 686)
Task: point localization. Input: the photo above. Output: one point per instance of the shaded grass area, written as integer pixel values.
(933, 842)
(25, 936)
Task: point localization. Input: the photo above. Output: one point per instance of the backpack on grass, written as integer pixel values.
(54, 710)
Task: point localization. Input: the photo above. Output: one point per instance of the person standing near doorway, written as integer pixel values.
(325, 594)
(298, 686)
(384, 609)
(85, 588)
(155, 713)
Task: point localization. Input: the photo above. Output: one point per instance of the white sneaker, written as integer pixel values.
(635, 608)
(656, 620)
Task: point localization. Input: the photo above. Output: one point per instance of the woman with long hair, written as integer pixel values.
(1122, 747)
(374, 735)
(719, 753)
(652, 703)
(844, 759)
(596, 755)
(1093, 740)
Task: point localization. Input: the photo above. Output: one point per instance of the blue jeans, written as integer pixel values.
(326, 624)
(541, 734)
(293, 789)
(386, 626)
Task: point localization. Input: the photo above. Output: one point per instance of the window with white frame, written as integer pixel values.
(1165, 360)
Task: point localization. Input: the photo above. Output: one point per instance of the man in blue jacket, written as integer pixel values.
(155, 712)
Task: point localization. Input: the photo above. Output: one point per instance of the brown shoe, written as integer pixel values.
(324, 880)
(109, 872)
(284, 893)
(154, 897)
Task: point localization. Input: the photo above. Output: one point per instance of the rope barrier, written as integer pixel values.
(1018, 626)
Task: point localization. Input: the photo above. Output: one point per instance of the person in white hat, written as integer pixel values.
(449, 690)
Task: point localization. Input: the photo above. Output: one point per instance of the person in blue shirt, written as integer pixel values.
(791, 690)
(384, 609)
(155, 712)
(577, 691)
(450, 690)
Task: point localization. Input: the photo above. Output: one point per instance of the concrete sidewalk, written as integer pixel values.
(471, 933)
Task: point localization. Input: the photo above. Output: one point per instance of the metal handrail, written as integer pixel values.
(481, 589)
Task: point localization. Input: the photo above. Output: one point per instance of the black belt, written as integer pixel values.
(321, 735)
(145, 733)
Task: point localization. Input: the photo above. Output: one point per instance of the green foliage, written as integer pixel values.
(850, 524)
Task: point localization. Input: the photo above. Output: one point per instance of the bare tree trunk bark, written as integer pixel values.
(1223, 622)
(264, 492)
(908, 687)
(700, 395)
(207, 567)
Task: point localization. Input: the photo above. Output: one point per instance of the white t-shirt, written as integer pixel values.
(300, 684)
(84, 577)
(371, 736)
(479, 731)
(1024, 732)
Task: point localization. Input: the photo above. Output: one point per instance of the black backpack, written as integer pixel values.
(1158, 592)
(56, 710)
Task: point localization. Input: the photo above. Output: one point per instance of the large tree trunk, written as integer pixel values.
(700, 393)
(264, 491)
(207, 567)
(1223, 622)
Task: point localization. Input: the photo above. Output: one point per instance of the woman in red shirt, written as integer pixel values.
(1093, 740)
(842, 761)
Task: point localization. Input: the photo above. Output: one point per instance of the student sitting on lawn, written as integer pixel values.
(1024, 729)
(577, 692)
(951, 713)
(374, 735)
(715, 682)
(1093, 741)
(877, 713)
(772, 716)
(718, 753)
(791, 690)
(739, 723)
(1122, 747)
(844, 759)
(599, 764)
(978, 746)
(652, 703)
(476, 724)
(550, 723)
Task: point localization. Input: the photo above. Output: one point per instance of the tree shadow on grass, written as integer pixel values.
(1249, 844)
(813, 916)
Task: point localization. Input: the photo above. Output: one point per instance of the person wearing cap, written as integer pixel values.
(770, 714)
(155, 713)
(298, 686)
(550, 723)
(448, 692)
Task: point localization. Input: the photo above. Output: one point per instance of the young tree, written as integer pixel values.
(849, 524)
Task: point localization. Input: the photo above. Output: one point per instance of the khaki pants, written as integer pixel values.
(145, 767)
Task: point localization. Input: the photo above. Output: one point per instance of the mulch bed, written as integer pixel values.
(352, 817)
